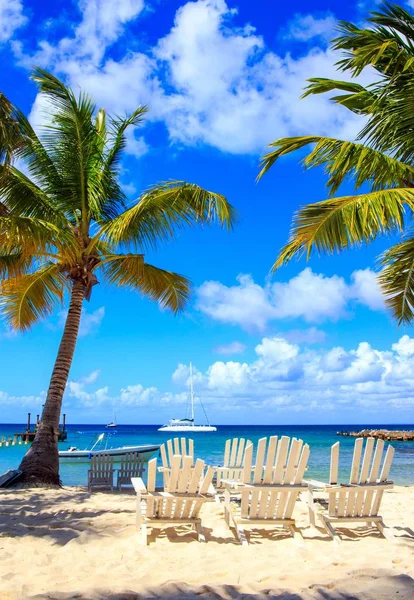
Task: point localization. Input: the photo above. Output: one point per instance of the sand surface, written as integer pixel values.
(67, 544)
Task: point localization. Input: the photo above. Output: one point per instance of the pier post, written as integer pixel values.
(64, 422)
(28, 421)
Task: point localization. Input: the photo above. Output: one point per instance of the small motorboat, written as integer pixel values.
(74, 455)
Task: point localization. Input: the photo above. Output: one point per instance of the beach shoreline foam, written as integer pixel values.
(68, 543)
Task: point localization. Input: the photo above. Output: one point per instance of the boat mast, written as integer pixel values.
(192, 393)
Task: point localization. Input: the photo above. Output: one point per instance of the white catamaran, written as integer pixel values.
(113, 423)
(188, 424)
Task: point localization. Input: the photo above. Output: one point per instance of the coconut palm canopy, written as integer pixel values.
(65, 226)
(381, 160)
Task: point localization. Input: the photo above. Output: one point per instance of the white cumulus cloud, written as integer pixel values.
(209, 80)
(309, 296)
(307, 27)
(11, 18)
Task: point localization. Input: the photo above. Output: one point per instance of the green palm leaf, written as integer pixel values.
(397, 280)
(163, 209)
(169, 289)
(343, 160)
(336, 224)
(29, 297)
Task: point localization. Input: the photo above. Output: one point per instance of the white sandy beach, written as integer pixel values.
(72, 544)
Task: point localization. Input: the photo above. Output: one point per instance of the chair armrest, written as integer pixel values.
(315, 483)
(138, 485)
(231, 483)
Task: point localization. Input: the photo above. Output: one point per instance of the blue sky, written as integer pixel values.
(312, 344)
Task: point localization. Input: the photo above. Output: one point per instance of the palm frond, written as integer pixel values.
(27, 298)
(10, 138)
(13, 264)
(23, 197)
(344, 160)
(169, 289)
(111, 167)
(397, 280)
(358, 99)
(165, 208)
(385, 45)
(123, 269)
(31, 234)
(338, 223)
(71, 140)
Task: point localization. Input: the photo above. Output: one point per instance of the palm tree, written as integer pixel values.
(381, 159)
(67, 222)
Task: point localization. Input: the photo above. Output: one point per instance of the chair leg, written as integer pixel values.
(331, 530)
(144, 534)
(297, 536)
(241, 535)
(386, 532)
(200, 533)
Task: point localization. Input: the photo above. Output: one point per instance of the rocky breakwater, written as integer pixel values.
(381, 434)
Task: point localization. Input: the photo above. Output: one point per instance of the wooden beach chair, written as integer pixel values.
(359, 500)
(233, 462)
(101, 472)
(132, 465)
(177, 447)
(179, 502)
(270, 488)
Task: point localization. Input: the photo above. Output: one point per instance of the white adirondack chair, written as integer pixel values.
(181, 499)
(101, 472)
(176, 447)
(360, 500)
(233, 463)
(132, 465)
(269, 489)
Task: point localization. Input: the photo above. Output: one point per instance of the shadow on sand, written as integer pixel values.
(394, 587)
(63, 516)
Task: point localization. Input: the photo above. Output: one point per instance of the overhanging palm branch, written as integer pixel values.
(382, 160)
(397, 279)
(162, 209)
(27, 298)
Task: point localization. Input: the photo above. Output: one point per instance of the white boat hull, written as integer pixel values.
(76, 456)
(189, 428)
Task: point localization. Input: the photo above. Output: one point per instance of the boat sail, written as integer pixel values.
(113, 423)
(188, 424)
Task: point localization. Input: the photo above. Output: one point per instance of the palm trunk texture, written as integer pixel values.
(40, 465)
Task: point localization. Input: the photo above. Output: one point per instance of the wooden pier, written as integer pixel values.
(28, 436)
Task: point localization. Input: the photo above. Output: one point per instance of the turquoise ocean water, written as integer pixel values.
(210, 446)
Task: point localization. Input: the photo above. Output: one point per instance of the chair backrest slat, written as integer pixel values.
(292, 462)
(281, 455)
(248, 461)
(367, 460)
(233, 453)
(270, 459)
(152, 474)
(373, 476)
(226, 460)
(387, 464)
(196, 476)
(333, 473)
(239, 458)
(184, 476)
(260, 456)
(206, 482)
(356, 460)
(175, 473)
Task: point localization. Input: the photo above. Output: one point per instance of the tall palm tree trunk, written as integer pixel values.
(41, 463)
